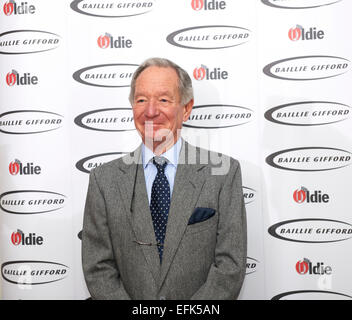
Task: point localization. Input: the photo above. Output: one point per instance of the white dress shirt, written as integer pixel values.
(150, 170)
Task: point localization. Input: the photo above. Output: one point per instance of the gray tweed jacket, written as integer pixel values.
(206, 239)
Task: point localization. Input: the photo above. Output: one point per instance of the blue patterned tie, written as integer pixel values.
(160, 203)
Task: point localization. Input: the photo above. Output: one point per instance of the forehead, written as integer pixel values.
(157, 78)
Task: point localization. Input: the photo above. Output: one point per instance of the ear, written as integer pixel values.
(187, 110)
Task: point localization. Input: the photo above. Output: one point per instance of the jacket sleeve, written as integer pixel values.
(226, 274)
(99, 267)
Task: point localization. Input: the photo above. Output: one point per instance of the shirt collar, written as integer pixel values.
(171, 154)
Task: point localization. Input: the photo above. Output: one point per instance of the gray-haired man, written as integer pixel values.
(158, 223)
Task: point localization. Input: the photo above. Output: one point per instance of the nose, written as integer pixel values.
(151, 109)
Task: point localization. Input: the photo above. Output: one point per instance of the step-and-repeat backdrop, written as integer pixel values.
(271, 82)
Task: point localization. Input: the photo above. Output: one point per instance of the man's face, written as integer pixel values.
(157, 110)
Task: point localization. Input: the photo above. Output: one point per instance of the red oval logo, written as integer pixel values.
(103, 41)
(11, 78)
(8, 8)
(14, 168)
(295, 34)
(299, 196)
(302, 267)
(199, 73)
(16, 237)
(197, 4)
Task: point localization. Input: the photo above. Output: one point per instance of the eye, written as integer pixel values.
(163, 100)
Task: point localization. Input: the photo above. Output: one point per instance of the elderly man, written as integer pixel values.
(164, 222)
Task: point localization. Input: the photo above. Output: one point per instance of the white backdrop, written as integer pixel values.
(271, 89)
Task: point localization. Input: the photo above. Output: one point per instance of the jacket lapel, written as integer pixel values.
(189, 180)
(126, 178)
(135, 198)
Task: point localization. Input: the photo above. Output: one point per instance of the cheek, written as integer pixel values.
(174, 114)
(138, 116)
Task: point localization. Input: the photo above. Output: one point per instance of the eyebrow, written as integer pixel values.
(161, 93)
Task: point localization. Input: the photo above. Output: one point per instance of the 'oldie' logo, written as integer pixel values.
(17, 167)
(14, 78)
(113, 8)
(299, 33)
(303, 195)
(209, 37)
(19, 238)
(108, 41)
(305, 266)
(204, 73)
(11, 7)
(310, 159)
(307, 68)
(309, 113)
(294, 4)
(208, 5)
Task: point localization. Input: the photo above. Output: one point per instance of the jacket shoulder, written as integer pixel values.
(211, 158)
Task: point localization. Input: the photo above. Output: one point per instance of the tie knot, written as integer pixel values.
(160, 163)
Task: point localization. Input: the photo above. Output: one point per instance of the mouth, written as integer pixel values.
(152, 124)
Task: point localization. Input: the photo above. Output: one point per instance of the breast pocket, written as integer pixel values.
(202, 219)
